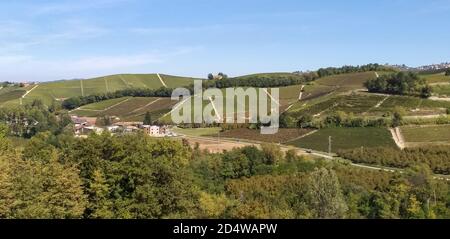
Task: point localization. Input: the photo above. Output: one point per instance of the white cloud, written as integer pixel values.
(27, 68)
(61, 7)
(15, 36)
(193, 29)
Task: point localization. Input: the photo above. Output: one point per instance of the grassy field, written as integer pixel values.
(437, 78)
(357, 104)
(426, 133)
(412, 104)
(198, 132)
(283, 135)
(346, 138)
(353, 80)
(442, 90)
(10, 95)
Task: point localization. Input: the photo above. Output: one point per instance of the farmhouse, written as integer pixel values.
(157, 131)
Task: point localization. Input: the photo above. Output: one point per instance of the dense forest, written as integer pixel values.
(400, 84)
(135, 176)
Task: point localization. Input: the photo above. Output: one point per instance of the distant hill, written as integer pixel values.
(63, 89)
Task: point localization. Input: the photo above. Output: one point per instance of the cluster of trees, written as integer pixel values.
(135, 176)
(447, 72)
(262, 81)
(322, 72)
(219, 76)
(28, 120)
(76, 102)
(436, 157)
(402, 83)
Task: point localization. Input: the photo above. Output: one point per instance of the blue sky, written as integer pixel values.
(50, 40)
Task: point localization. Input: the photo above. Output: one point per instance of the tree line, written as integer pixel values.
(402, 83)
(436, 157)
(28, 120)
(323, 72)
(262, 81)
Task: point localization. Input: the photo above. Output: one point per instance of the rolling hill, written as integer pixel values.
(60, 90)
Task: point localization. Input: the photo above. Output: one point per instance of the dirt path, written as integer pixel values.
(425, 116)
(81, 87)
(301, 92)
(161, 79)
(303, 136)
(28, 92)
(124, 81)
(398, 137)
(106, 84)
(381, 102)
(320, 113)
(440, 83)
(271, 97)
(439, 99)
(214, 145)
(108, 108)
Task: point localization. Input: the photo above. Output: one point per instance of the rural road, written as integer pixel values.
(210, 142)
(161, 79)
(26, 93)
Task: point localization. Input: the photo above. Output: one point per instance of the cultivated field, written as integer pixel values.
(436, 78)
(61, 90)
(418, 135)
(198, 131)
(128, 108)
(353, 80)
(442, 90)
(346, 138)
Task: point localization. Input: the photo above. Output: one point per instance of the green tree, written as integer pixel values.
(148, 119)
(35, 189)
(447, 72)
(325, 195)
(39, 148)
(397, 118)
(272, 153)
(304, 121)
(99, 201)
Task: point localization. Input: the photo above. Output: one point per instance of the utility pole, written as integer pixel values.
(218, 138)
(329, 145)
